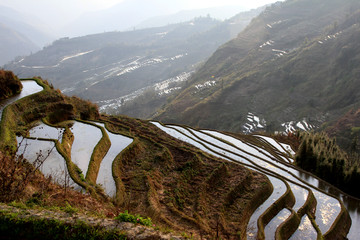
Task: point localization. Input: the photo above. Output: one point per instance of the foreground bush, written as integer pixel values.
(9, 84)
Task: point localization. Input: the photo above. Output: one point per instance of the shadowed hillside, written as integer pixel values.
(297, 61)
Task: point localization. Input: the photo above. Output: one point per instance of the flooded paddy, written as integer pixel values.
(328, 207)
(86, 137)
(105, 177)
(29, 87)
(53, 164)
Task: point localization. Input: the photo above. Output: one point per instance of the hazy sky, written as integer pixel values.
(76, 7)
(59, 13)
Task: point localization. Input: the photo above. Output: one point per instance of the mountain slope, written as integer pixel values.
(20, 34)
(114, 68)
(13, 44)
(298, 59)
(28, 25)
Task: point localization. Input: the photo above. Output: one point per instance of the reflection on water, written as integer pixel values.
(46, 132)
(54, 165)
(275, 223)
(85, 139)
(324, 218)
(351, 204)
(279, 190)
(328, 208)
(105, 178)
(305, 230)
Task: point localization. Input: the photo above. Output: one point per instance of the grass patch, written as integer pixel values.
(127, 217)
(13, 226)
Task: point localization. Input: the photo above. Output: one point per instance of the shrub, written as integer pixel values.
(9, 84)
(127, 217)
(321, 156)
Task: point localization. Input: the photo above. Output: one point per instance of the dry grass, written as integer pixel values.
(183, 188)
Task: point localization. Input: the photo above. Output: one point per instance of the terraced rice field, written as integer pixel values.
(86, 137)
(299, 201)
(118, 143)
(274, 160)
(29, 87)
(42, 139)
(54, 165)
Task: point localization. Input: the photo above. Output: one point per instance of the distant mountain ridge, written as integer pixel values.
(138, 14)
(18, 35)
(13, 44)
(27, 25)
(298, 60)
(220, 13)
(113, 68)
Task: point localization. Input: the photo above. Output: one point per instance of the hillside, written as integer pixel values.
(346, 130)
(13, 44)
(294, 66)
(156, 175)
(116, 67)
(27, 24)
(20, 35)
(196, 183)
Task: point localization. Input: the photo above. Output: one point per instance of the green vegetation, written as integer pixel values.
(127, 217)
(321, 155)
(14, 227)
(9, 84)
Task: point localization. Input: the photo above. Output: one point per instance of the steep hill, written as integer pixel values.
(296, 64)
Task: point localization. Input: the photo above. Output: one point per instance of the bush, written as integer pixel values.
(15, 173)
(127, 217)
(321, 156)
(18, 227)
(9, 84)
